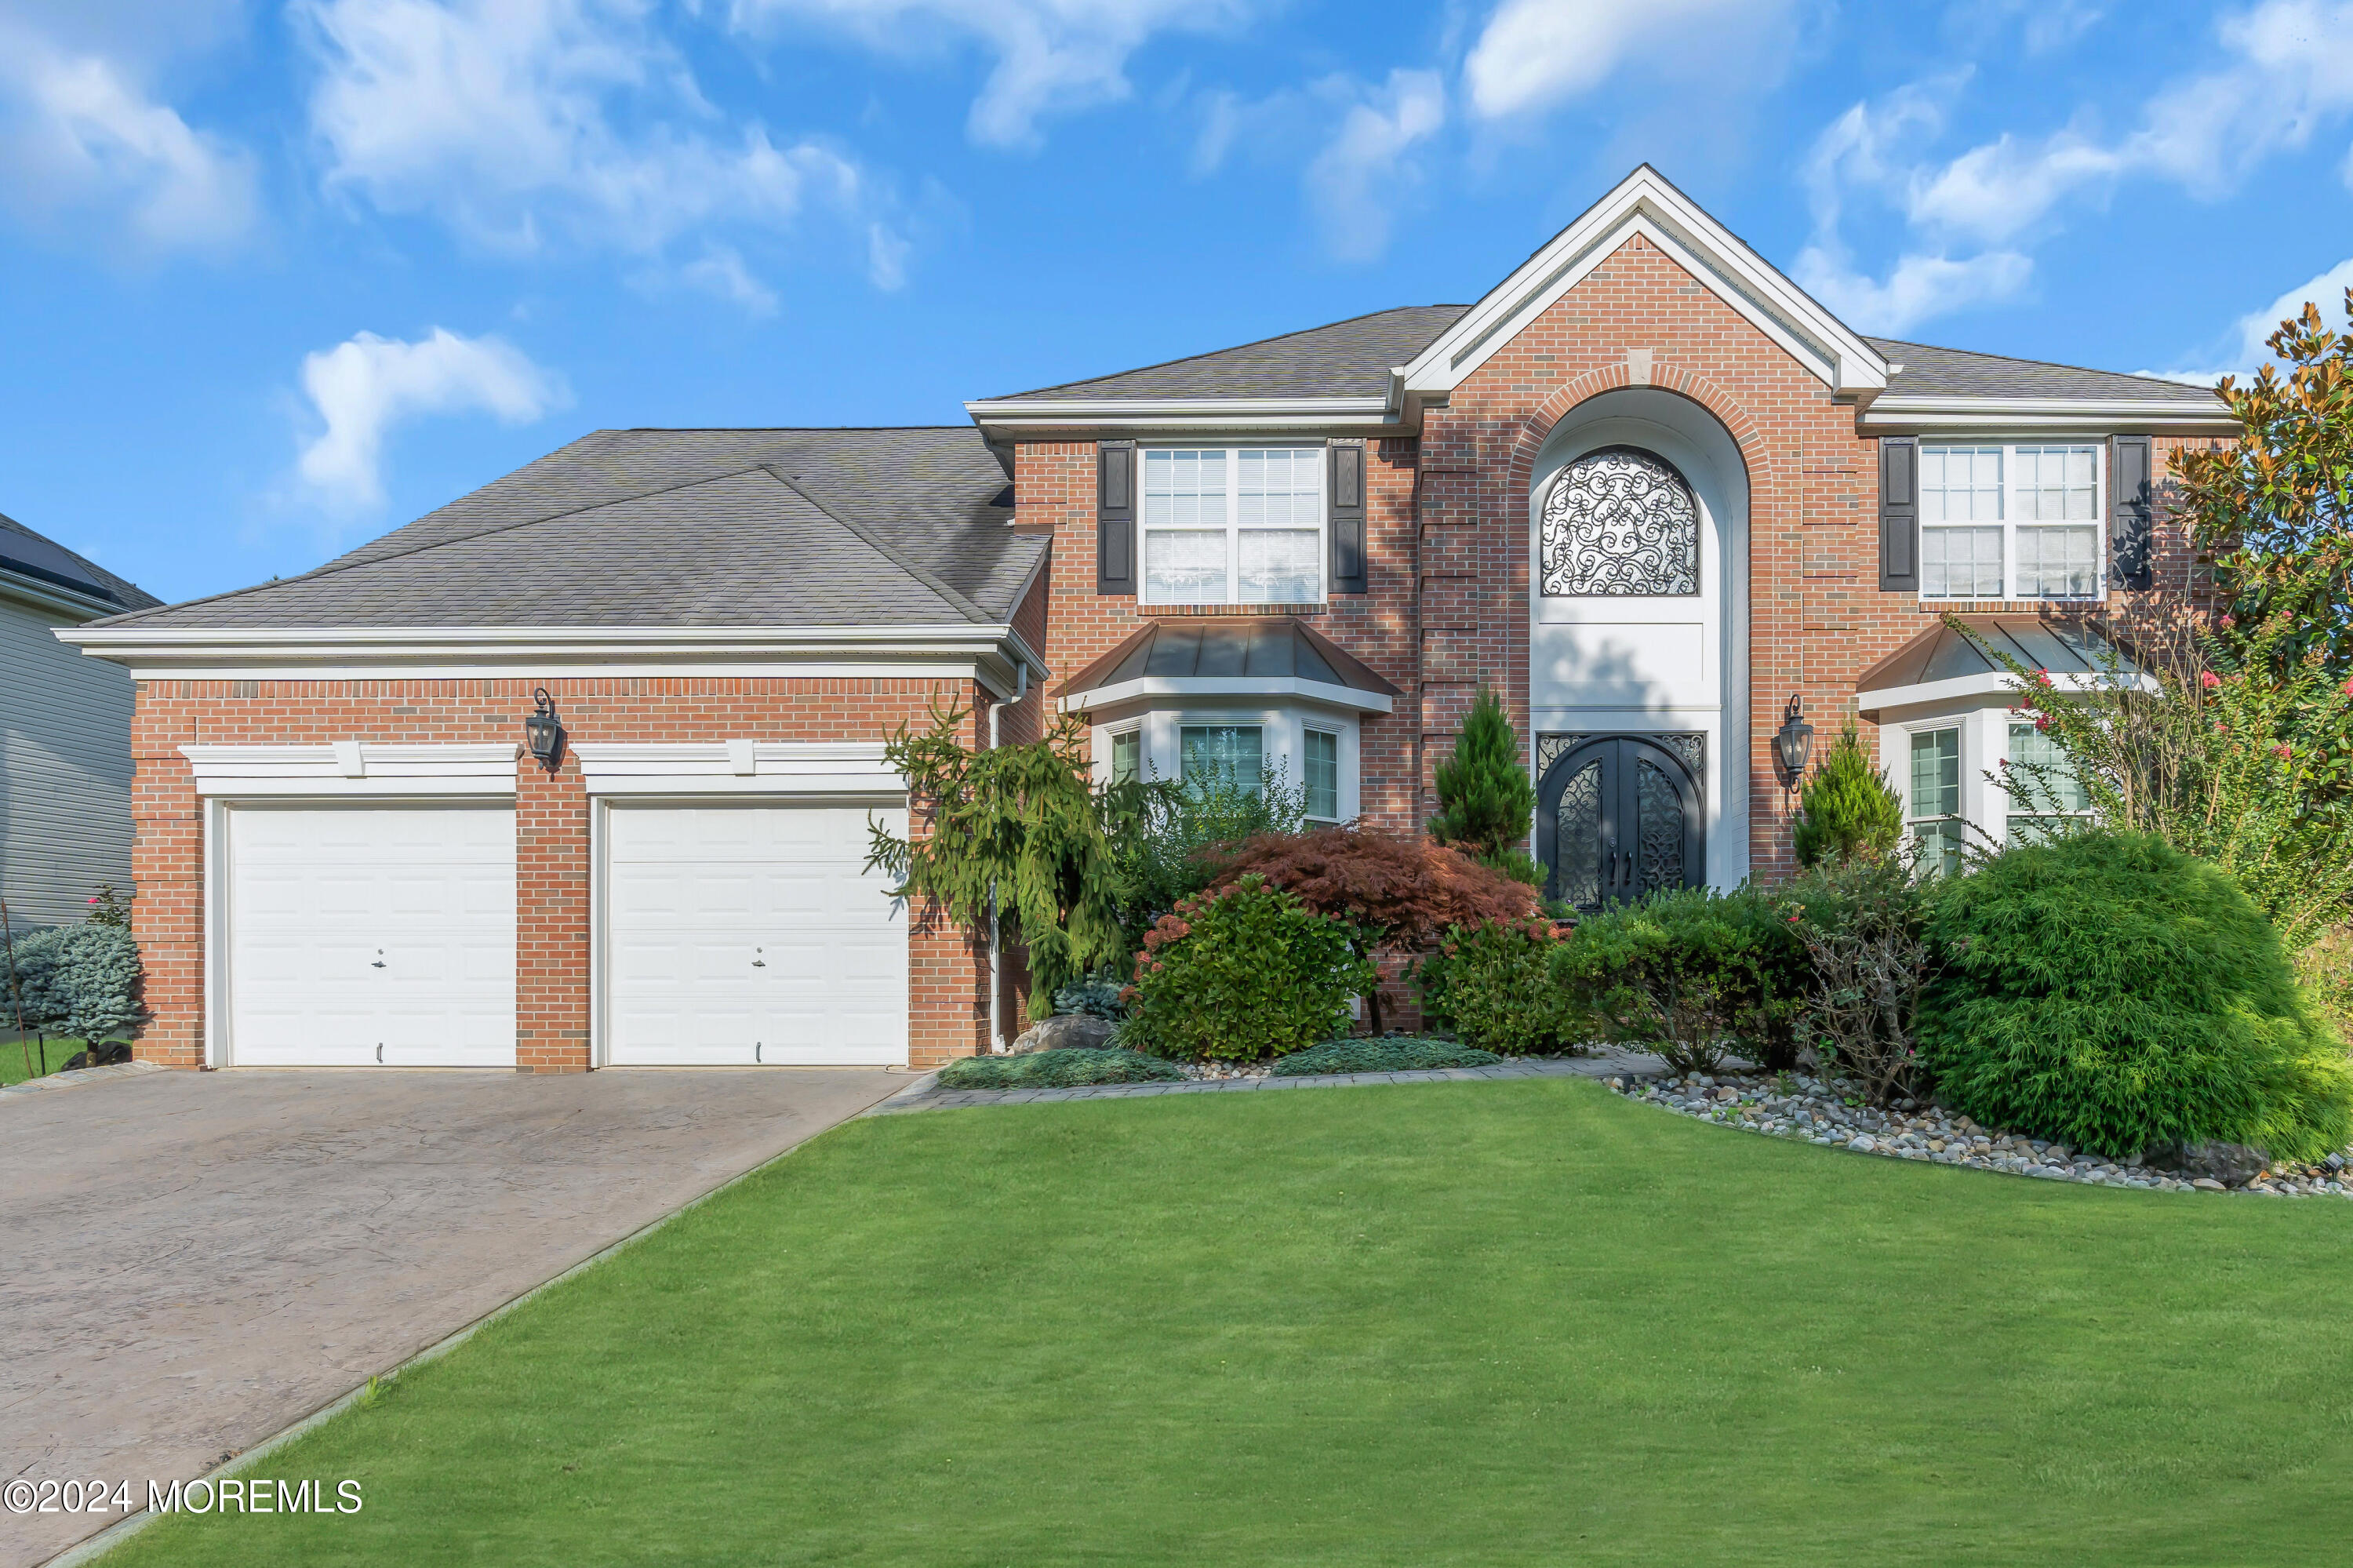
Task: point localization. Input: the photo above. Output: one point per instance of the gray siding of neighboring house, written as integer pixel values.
(65, 771)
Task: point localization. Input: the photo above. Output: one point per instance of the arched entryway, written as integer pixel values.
(1637, 647)
(1619, 817)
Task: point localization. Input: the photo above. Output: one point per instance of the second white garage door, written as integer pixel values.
(737, 935)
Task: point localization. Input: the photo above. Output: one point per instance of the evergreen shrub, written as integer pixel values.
(1848, 810)
(1492, 985)
(1486, 803)
(2111, 992)
(1244, 972)
(78, 980)
(1691, 974)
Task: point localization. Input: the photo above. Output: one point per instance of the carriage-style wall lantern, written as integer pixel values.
(1793, 744)
(544, 732)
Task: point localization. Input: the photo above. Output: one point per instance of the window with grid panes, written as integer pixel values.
(2010, 520)
(1233, 525)
(1209, 753)
(1321, 771)
(2057, 797)
(1127, 757)
(1935, 803)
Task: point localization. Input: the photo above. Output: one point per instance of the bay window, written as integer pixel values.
(1233, 525)
(2010, 520)
(1322, 768)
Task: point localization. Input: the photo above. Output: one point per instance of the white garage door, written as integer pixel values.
(361, 936)
(751, 934)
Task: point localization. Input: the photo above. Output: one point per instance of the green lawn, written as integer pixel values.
(12, 1055)
(1518, 1322)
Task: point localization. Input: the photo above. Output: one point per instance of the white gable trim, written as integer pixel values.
(1645, 204)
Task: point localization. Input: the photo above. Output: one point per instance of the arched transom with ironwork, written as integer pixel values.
(1620, 522)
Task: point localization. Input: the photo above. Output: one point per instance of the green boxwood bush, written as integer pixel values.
(2111, 992)
(1243, 972)
(1390, 1053)
(1691, 974)
(1056, 1070)
(1096, 995)
(1492, 985)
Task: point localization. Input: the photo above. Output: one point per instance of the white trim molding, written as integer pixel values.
(990, 653)
(1003, 417)
(848, 767)
(1905, 412)
(355, 768)
(1228, 686)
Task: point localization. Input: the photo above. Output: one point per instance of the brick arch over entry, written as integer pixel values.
(1747, 437)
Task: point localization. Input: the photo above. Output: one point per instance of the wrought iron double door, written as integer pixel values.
(1617, 818)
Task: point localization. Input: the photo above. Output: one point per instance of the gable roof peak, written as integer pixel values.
(1647, 203)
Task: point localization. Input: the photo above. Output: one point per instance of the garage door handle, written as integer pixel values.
(379, 959)
(759, 963)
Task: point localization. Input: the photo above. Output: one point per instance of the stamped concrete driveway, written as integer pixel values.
(196, 1261)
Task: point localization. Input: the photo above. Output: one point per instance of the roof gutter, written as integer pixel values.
(2090, 416)
(996, 650)
(1007, 417)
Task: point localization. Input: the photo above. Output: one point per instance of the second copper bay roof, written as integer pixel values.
(1241, 648)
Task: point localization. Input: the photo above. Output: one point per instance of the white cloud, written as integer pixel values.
(1918, 288)
(2249, 344)
(361, 388)
(720, 271)
(528, 123)
(1053, 57)
(1354, 183)
(1534, 55)
(2287, 70)
(78, 137)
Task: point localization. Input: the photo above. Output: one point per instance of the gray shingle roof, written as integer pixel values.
(1932, 372)
(653, 528)
(36, 556)
(1344, 359)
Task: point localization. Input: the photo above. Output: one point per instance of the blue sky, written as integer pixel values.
(277, 276)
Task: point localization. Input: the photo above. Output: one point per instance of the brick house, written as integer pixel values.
(1645, 487)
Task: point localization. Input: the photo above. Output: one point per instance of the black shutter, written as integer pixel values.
(1116, 517)
(2132, 510)
(1347, 517)
(1899, 514)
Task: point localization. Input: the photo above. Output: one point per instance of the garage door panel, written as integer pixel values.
(353, 930)
(695, 892)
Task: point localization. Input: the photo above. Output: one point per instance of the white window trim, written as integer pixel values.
(2011, 805)
(1282, 728)
(350, 769)
(1914, 818)
(2102, 456)
(1135, 727)
(1233, 527)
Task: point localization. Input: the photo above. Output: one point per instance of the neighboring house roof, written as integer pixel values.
(1344, 359)
(1955, 658)
(1930, 372)
(1228, 655)
(31, 554)
(682, 528)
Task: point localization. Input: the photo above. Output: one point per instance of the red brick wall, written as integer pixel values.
(1448, 540)
(948, 971)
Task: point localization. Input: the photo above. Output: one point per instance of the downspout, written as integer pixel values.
(995, 953)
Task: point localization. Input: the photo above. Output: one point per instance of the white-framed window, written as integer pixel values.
(1233, 525)
(1320, 770)
(1235, 752)
(2011, 521)
(2033, 818)
(1128, 755)
(1932, 804)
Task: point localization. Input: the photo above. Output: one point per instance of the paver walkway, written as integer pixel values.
(925, 1094)
(193, 1262)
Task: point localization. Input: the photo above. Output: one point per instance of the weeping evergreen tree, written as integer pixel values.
(1485, 803)
(1848, 810)
(1026, 822)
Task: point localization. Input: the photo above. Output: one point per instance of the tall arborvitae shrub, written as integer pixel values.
(1848, 810)
(1485, 803)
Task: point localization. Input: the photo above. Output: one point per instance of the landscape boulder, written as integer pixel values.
(1066, 1032)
